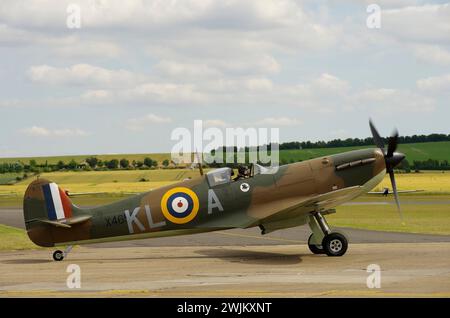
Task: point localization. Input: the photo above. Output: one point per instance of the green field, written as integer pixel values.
(419, 218)
(9, 178)
(419, 151)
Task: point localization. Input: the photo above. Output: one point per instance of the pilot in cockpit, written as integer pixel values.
(243, 173)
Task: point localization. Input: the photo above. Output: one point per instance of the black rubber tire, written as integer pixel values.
(315, 249)
(58, 255)
(335, 244)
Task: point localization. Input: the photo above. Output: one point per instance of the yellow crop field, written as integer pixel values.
(119, 176)
(428, 181)
(107, 181)
(110, 187)
(129, 181)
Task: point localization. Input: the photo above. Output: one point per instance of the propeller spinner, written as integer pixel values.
(392, 159)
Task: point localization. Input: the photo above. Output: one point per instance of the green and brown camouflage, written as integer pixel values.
(274, 199)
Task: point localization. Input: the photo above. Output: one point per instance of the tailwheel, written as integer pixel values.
(315, 249)
(58, 255)
(335, 244)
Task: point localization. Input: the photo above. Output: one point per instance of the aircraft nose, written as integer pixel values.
(396, 158)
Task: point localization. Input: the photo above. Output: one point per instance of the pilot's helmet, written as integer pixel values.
(242, 169)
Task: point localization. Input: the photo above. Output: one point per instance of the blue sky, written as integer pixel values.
(136, 70)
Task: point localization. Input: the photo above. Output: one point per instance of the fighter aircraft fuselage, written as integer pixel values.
(200, 205)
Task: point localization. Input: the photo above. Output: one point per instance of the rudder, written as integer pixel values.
(44, 200)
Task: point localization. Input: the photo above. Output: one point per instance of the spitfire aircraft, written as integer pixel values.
(271, 199)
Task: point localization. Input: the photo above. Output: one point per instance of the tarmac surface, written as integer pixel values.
(234, 263)
(406, 270)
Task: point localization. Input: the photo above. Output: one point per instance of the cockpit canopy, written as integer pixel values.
(219, 176)
(223, 175)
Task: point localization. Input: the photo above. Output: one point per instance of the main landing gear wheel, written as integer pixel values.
(58, 255)
(335, 244)
(315, 249)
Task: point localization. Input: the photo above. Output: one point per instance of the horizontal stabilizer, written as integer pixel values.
(67, 223)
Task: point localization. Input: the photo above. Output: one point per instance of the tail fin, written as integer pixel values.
(46, 207)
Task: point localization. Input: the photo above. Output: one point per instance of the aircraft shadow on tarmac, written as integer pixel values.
(230, 255)
(101, 260)
(27, 261)
(252, 257)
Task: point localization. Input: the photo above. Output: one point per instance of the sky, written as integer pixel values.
(135, 70)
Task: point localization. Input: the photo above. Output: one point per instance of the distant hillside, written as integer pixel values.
(418, 151)
(413, 151)
(79, 158)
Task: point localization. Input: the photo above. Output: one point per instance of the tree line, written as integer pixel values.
(91, 163)
(356, 142)
(94, 163)
(338, 143)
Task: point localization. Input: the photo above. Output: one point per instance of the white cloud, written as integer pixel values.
(388, 101)
(432, 54)
(258, 84)
(138, 124)
(138, 14)
(435, 83)
(387, 3)
(74, 47)
(196, 28)
(97, 95)
(166, 93)
(196, 67)
(66, 46)
(218, 123)
(277, 122)
(11, 37)
(38, 131)
(423, 23)
(83, 75)
(328, 83)
(183, 70)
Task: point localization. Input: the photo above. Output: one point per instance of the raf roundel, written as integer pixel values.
(180, 205)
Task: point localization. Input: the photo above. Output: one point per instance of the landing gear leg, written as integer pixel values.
(323, 241)
(60, 255)
(315, 239)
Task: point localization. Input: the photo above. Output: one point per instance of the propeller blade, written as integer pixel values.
(376, 136)
(397, 200)
(392, 146)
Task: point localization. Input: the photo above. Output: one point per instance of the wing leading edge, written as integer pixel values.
(320, 202)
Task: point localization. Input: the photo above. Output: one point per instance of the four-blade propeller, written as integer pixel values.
(392, 159)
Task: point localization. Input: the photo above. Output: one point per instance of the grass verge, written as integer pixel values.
(12, 238)
(422, 219)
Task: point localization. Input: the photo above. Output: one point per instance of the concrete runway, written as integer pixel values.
(233, 263)
(407, 270)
